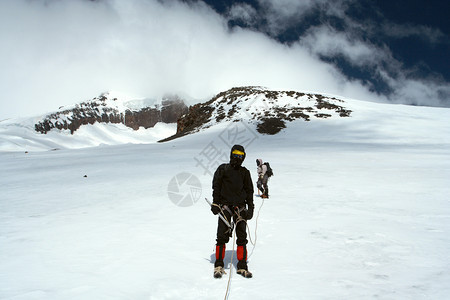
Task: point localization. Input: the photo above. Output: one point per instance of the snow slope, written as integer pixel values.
(19, 135)
(359, 209)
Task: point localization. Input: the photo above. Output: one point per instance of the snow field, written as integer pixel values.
(20, 136)
(359, 209)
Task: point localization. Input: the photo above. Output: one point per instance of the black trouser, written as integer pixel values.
(223, 236)
(262, 184)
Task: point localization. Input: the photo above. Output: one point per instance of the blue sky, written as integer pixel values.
(413, 33)
(59, 52)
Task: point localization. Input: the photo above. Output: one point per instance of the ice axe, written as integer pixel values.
(220, 216)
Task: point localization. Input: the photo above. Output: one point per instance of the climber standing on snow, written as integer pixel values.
(263, 178)
(232, 198)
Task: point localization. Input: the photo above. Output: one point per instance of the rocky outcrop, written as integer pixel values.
(197, 115)
(269, 109)
(104, 110)
(170, 112)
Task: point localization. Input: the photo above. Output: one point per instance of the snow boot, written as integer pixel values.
(218, 272)
(218, 264)
(264, 196)
(245, 273)
(242, 268)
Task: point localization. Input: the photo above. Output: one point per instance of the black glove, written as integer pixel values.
(249, 213)
(215, 209)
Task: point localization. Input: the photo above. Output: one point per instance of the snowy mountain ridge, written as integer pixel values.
(108, 108)
(105, 119)
(268, 109)
(113, 119)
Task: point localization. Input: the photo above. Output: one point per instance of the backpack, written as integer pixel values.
(269, 169)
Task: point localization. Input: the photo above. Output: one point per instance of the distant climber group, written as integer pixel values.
(233, 201)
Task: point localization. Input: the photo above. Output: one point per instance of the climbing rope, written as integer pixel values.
(239, 219)
(231, 265)
(256, 228)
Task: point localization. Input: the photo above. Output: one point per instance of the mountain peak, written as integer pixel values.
(268, 109)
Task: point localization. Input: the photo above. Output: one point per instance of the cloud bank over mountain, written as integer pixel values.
(57, 52)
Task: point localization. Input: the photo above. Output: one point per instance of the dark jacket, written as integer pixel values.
(232, 186)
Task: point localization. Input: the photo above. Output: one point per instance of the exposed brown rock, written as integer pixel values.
(97, 111)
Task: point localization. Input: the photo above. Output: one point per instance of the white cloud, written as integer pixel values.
(59, 52)
(279, 14)
(288, 9)
(326, 41)
(426, 33)
(243, 12)
(419, 92)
